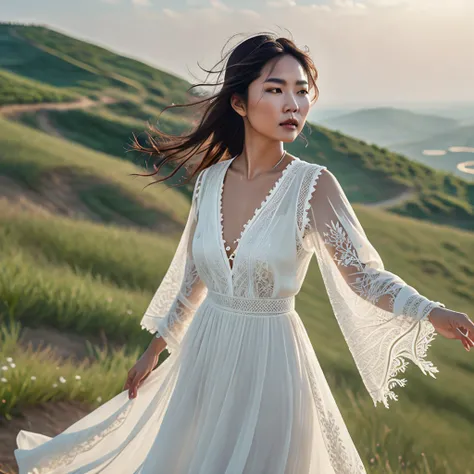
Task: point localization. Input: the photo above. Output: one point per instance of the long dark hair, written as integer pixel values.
(220, 132)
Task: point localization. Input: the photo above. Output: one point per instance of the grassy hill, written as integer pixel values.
(62, 61)
(55, 169)
(16, 89)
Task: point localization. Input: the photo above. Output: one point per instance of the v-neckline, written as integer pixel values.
(252, 219)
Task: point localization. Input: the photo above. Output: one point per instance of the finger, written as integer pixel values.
(134, 387)
(469, 328)
(128, 381)
(467, 343)
(464, 334)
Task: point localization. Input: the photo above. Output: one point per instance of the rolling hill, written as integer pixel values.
(387, 125)
(442, 142)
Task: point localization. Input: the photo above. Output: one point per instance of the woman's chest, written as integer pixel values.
(267, 240)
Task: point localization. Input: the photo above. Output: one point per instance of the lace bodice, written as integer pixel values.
(383, 319)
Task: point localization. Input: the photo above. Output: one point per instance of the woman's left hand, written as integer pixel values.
(453, 325)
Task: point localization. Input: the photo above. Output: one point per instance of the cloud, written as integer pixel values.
(348, 4)
(249, 13)
(138, 3)
(196, 3)
(280, 3)
(220, 6)
(170, 13)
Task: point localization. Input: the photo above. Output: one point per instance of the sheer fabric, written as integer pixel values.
(383, 319)
(181, 291)
(242, 391)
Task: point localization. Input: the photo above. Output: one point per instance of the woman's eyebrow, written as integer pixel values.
(282, 81)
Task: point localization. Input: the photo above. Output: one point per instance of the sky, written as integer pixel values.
(367, 52)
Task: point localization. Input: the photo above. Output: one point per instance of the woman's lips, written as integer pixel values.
(288, 126)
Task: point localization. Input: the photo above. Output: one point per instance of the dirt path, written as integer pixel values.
(408, 194)
(49, 418)
(14, 110)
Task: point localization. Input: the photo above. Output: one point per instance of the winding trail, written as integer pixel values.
(394, 201)
(13, 110)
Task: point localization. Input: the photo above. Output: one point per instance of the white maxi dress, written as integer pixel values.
(242, 391)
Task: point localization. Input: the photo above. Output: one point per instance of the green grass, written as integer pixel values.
(15, 89)
(39, 53)
(104, 131)
(40, 376)
(157, 83)
(31, 158)
(19, 57)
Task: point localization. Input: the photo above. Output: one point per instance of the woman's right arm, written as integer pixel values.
(144, 366)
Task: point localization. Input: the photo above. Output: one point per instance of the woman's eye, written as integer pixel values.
(278, 89)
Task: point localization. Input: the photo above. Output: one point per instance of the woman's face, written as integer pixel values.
(281, 92)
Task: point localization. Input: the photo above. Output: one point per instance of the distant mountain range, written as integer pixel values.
(412, 134)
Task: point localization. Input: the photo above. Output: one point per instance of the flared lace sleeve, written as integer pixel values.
(383, 319)
(181, 290)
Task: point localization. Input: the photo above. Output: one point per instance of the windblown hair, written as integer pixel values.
(220, 132)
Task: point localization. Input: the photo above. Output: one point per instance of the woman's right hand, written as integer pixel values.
(139, 372)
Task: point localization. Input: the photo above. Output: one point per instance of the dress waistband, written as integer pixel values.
(252, 305)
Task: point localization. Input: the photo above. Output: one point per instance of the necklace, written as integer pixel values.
(279, 161)
(236, 241)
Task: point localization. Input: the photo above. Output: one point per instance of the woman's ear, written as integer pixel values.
(238, 104)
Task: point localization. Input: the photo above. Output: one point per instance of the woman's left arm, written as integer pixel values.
(384, 320)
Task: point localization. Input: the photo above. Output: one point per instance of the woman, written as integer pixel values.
(242, 391)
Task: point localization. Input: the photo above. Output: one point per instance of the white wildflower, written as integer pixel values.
(9, 359)
(55, 385)
(78, 377)
(4, 367)
(62, 379)
(3, 379)
(33, 377)
(12, 365)
(99, 399)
